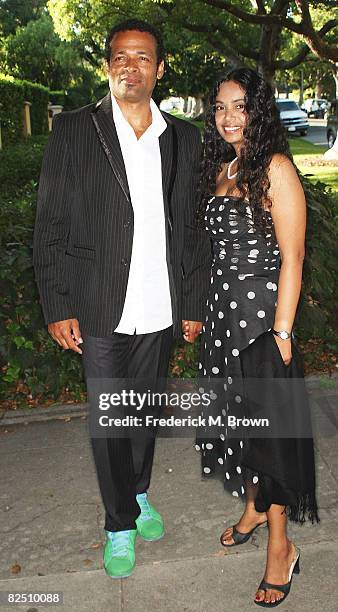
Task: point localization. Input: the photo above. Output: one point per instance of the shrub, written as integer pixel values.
(57, 97)
(13, 94)
(317, 316)
(31, 362)
(21, 163)
(38, 95)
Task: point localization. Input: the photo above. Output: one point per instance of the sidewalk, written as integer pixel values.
(52, 518)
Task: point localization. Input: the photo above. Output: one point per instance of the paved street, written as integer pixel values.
(51, 524)
(317, 132)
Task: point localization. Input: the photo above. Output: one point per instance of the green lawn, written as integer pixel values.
(301, 147)
(305, 154)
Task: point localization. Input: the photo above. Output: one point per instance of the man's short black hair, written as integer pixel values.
(140, 26)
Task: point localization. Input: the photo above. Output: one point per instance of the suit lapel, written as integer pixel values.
(166, 148)
(102, 117)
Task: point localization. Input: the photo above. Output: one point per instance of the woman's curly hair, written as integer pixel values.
(264, 135)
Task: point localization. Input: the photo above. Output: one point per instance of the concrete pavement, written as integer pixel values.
(52, 518)
(317, 132)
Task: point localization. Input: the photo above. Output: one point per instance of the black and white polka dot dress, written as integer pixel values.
(240, 307)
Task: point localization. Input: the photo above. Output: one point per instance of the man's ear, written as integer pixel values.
(160, 70)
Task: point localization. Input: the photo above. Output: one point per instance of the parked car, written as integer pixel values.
(316, 107)
(292, 117)
(332, 123)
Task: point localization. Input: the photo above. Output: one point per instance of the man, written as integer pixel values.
(118, 261)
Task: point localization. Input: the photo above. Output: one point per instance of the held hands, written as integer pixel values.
(284, 349)
(66, 334)
(191, 329)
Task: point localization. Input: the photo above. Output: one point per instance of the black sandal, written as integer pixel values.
(238, 537)
(283, 588)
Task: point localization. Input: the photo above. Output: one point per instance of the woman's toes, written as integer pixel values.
(259, 596)
(227, 536)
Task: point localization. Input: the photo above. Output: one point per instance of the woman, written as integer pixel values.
(253, 207)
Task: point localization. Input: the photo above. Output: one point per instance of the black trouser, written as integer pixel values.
(124, 464)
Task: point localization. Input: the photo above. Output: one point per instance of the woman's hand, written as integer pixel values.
(285, 349)
(191, 330)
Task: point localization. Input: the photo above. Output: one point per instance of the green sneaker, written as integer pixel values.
(149, 524)
(119, 553)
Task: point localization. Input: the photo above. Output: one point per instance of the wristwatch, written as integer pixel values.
(284, 335)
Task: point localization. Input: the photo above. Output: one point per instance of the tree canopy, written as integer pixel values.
(255, 32)
(55, 42)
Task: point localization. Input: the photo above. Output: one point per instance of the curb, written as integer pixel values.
(61, 411)
(49, 413)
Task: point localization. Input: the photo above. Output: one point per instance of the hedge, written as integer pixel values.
(20, 164)
(317, 312)
(32, 365)
(57, 97)
(13, 94)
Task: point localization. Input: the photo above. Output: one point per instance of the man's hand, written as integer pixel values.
(66, 334)
(191, 329)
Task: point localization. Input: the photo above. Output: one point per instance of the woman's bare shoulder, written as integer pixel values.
(282, 170)
(281, 163)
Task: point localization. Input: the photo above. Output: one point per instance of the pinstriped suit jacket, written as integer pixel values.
(84, 224)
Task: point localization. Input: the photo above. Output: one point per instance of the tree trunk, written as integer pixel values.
(332, 154)
(319, 85)
(189, 106)
(268, 52)
(270, 45)
(319, 89)
(335, 76)
(301, 88)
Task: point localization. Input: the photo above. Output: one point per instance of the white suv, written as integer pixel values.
(293, 119)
